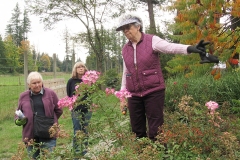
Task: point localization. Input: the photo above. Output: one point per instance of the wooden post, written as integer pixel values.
(73, 59)
(54, 65)
(25, 68)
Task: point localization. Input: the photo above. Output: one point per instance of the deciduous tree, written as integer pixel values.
(196, 20)
(3, 60)
(45, 62)
(12, 55)
(92, 15)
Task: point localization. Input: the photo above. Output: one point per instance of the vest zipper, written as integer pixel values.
(138, 80)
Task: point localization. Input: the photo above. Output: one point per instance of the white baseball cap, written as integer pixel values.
(128, 20)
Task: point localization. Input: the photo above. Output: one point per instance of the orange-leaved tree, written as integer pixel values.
(216, 21)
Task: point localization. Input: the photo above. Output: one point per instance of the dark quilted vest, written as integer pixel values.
(147, 76)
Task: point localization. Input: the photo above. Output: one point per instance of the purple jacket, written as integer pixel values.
(50, 101)
(146, 77)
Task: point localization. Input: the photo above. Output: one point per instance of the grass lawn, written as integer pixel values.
(10, 89)
(190, 132)
(11, 135)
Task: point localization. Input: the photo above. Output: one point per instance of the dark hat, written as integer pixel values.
(128, 20)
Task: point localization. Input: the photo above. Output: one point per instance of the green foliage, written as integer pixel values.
(193, 132)
(196, 20)
(164, 59)
(188, 65)
(12, 55)
(17, 28)
(26, 23)
(111, 50)
(112, 79)
(15, 25)
(190, 132)
(204, 88)
(2, 55)
(45, 63)
(235, 106)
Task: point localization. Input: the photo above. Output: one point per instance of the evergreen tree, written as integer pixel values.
(26, 24)
(14, 27)
(3, 60)
(9, 30)
(17, 27)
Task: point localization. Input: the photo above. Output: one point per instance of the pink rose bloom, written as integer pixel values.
(109, 91)
(90, 77)
(76, 87)
(67, 102)
(122, 94)
(212, 105)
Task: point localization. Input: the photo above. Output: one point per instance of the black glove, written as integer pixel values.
(209, 58)
(199, 48)
(205, 57)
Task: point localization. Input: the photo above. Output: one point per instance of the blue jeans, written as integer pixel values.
(80, 121)
(41, 143)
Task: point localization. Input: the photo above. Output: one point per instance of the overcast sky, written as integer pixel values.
(51, 41)
(47, 41)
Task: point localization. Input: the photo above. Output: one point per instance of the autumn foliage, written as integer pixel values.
(215, 21)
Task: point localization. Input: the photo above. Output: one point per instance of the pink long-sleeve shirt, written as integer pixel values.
(158, 45)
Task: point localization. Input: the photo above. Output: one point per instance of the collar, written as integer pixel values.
(141, 39)
(41, 92)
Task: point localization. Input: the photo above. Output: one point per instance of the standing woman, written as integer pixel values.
(80, 114)
(44, 102)
(142, 75)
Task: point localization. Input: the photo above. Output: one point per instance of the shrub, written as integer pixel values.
(111, 79)
(205, 88)
(190, 132)
(193, 131)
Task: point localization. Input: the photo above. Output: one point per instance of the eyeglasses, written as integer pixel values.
(126, 27)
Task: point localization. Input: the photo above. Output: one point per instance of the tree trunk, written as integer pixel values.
(151, 17)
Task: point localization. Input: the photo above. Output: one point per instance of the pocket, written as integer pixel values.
(129, 82)
(150, 78)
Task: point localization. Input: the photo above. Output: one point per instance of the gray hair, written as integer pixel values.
(34, 75)
(128, 19)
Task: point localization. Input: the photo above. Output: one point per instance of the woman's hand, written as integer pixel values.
(199, 48)
(21, 122)
(123, 106)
